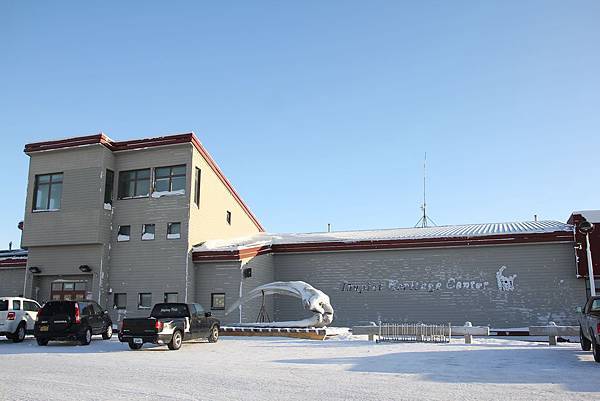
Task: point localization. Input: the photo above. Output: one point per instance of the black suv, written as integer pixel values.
(71, 320)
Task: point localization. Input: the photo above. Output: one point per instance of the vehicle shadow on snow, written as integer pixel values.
(29, 346)
(498, 366)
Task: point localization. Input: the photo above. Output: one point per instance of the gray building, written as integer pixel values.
(133, 223)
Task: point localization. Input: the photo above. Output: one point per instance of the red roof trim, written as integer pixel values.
(145, 143)
(381, 245)
(13, 262)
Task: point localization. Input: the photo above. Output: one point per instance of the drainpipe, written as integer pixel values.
(590, 265)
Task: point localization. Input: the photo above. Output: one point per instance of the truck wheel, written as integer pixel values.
(176, 341)
(214, 334)
(19, 335)
(586, 344)
(596, 350)
(42, 342)
(134, 346)
(87, 337)
(108, 333)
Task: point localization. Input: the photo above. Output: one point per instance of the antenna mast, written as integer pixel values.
(424, 218)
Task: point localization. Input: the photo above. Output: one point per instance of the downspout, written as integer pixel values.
(100, 276)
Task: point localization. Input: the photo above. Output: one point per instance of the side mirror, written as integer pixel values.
(579, 309)
(207, 314)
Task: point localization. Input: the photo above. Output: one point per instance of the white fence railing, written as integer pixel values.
(414, 332)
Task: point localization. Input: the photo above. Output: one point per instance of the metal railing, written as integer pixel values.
(414, 332)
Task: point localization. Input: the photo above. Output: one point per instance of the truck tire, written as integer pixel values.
(87, 337)
(108, 332)
(586, 344)
(596, 350)
(213, 337)
(42, 342)
(134, 346)
(176, 341)
(19, 335)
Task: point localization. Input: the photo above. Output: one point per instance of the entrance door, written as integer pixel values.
(68, 290)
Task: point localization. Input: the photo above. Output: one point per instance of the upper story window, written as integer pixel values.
(47, 192)
(148, 232)
(108, 187)
(228, 217)
(197, 187)
(134, 183)
(173, 230)
(169, 179)
(124, 233)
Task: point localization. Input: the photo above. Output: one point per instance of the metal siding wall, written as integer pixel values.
(545, 288)
(225, 277)
(11, 281)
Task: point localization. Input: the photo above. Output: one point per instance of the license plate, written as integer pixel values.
(43, 328)
(137, 341)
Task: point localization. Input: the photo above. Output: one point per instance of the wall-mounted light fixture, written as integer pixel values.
(85, 268)
(34, 269)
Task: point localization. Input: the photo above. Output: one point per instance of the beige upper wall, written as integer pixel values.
(209, 220)
(81, 209)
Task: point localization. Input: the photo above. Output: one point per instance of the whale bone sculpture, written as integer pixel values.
(313, 300)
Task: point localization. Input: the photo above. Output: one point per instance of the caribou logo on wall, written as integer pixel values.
(505, 283)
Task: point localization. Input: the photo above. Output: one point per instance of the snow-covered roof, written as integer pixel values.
(455, 231)
(13, 253)
(593, 216)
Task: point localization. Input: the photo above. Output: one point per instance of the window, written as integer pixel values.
(108, 187)
(47, 192)
(228, 217)
(80, 286)
(30, 306)
(16, 305)
(56, 286)
(120, 301)
(134, 183)
(147, 232)
(68, 286)
(124, 233)
(197, 186)
(169, 179)
(171, 297)
(144, 300)
(217, 301)
(173, 230)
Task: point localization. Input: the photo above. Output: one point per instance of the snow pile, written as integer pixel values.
(122, 237)
(159, 194)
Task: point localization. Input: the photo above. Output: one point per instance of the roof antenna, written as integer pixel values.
(424, 218)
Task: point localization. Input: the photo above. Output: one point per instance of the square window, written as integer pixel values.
(56, 286)
(144, 300)
(68, 286)
(228, 217)
(173, 230)
(120, 301)
(217, 301)
(169, 179)
(148, 232)
(134, 183)
(171, 297)
(80, 286)
(124, 233)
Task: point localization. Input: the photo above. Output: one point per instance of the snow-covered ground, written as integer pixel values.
(349, 368)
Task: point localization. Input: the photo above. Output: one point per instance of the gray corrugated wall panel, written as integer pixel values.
(545, 288)
(225, 277)
(11, 281)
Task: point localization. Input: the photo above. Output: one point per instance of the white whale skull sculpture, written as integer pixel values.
(313, 300)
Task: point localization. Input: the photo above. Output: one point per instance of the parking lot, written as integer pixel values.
(278, 368)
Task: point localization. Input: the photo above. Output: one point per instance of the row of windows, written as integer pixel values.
(144, 300)
(148, 232)
(132, 184)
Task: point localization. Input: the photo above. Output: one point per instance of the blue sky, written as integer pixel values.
(320, 112)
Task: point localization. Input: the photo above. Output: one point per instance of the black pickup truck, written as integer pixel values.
(589, 326)
(171, 324)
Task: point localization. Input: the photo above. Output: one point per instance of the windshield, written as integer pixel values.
(170, 310)
(57, 308)
(3, 304)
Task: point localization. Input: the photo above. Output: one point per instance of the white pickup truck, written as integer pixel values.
(17, 317)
